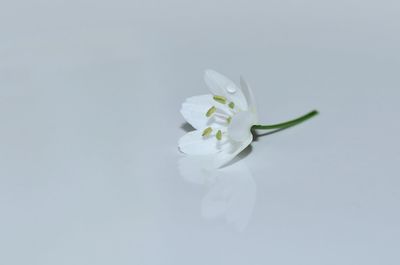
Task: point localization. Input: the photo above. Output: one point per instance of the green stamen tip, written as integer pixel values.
(207, 132)
(219, 135)
(211, 111)
(231, 105)
(228, 120)
(220, 99)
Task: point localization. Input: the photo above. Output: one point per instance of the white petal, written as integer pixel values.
(248, 93)
(194, 111)
(225, 156)
(193, 143)
(240, 128)
(202, 100)
(223, 86)
(209, 160)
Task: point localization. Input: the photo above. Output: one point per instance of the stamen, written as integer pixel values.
(231, 105)
(220, 115)
(211, 111)
(229, 119)
(219, 135)
(207, 132)
(220, 99)
(223, 112)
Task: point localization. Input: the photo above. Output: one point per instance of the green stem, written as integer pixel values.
(287, 123)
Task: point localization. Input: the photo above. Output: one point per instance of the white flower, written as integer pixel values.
(222, 119)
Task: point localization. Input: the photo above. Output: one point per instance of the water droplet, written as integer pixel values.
(231, 89)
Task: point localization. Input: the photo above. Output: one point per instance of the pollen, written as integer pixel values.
(220, 99)
(231, 105)
(211, 111)
(219, 135)
(207, 132)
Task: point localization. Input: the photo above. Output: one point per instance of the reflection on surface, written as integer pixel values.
(231, 191)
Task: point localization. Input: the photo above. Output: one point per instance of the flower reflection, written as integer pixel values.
(231, 191)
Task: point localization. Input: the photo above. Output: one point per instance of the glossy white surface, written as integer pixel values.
(90, 93)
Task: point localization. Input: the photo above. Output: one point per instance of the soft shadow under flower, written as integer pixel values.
(231, 191)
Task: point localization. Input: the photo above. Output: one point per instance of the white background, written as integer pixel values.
(90, 93)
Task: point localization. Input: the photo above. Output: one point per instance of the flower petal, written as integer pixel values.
(223, 86)
(240, 128)
(226, 155)
(210, 161)
(248, 93)
(193, 143)
(194, 111)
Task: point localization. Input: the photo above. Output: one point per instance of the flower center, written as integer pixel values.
(222, 113)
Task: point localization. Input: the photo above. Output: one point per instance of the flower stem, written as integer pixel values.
(287, 123)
